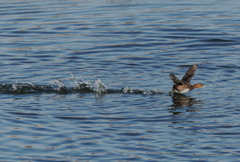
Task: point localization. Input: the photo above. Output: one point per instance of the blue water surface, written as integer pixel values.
(89, 80)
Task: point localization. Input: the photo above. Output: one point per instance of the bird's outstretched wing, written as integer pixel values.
(190, 73)
(174, 78)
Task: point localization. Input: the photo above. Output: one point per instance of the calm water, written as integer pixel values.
(89, 80)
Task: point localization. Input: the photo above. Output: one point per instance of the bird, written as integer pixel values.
(184, 86)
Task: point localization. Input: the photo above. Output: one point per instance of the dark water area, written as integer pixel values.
(89, 80)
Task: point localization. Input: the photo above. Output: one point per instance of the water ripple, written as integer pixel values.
(115, 104)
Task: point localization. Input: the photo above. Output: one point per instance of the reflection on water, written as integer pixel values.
(182, 102)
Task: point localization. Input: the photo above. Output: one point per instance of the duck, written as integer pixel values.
(184, 86)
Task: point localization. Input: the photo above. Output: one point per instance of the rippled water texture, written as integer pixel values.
(88, 80)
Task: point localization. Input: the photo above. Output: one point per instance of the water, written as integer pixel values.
(89, 80)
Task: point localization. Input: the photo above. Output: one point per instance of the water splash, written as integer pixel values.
(127, 90)
(99, 87)
(76, 86)
(139, 91)
(61, 85)
(77, 81)
(23, 88)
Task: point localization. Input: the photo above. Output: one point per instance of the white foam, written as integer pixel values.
(99, 87)
(127, 90)
(60, 84)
